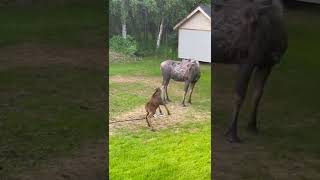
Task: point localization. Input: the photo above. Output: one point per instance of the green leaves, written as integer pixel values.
(142, 19)
(120, 44)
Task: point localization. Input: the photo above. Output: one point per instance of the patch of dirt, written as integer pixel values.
(174, 88)
(88, 163)
(39, 55)
(115, 57)
(150, 81)
(179, 114)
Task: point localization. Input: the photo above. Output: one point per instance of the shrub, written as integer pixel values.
(126, 46)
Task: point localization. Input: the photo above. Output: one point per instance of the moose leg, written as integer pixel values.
(167, 109)
(260, 78)
(192, 86)
(147, 119)
(163, 93)
(165, 84)
(160, 110)
(167, 97)
(186, 87)
(244, 74)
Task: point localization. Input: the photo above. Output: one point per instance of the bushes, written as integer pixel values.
(130, 47)
(126, 46)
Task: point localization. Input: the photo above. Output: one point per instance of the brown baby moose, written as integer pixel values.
(153, 104)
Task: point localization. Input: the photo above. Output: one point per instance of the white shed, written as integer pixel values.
(194, 33)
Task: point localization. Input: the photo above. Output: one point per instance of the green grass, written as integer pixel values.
(43, 112)
(163, 155)
(293, 88)
(41, 115)
(79, 24)
(122, 100)
(181, 152)
(289, 114)
(150, 67)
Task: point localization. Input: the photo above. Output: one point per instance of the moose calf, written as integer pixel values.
(153, 104)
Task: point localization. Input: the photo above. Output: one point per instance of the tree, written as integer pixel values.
(121, 8)
(142, 18)
(171, 10)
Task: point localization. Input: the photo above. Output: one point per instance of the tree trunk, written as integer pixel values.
(124, 30)
(124, 17)
(160, 34)
(166, 34)
(145, 26)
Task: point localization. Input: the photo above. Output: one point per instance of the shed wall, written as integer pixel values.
(198, 21)
(194, 44)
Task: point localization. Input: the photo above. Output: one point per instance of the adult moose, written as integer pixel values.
(252, 34)
(187, 71)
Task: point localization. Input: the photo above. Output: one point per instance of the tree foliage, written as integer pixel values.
(120, 44)
(143, 19)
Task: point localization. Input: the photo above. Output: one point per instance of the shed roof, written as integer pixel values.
(205, 10)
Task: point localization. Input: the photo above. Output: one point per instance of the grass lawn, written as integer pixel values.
(163, 155)
(49, 107)
(73, 24)
(180, 151)
(289, 112)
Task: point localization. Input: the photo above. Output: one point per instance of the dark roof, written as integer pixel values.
(206, 9)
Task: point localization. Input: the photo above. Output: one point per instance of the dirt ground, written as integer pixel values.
(87, 163)
(41, 55)
(180, 115)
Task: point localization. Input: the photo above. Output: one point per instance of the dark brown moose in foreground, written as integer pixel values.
(252, 34)
(153, 104)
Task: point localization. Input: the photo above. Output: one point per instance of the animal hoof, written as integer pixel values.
(168, 100)
(189, 102)
(233, 139)
(183, 105)
(153, 130)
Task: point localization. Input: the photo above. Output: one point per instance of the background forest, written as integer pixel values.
(145, 27)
